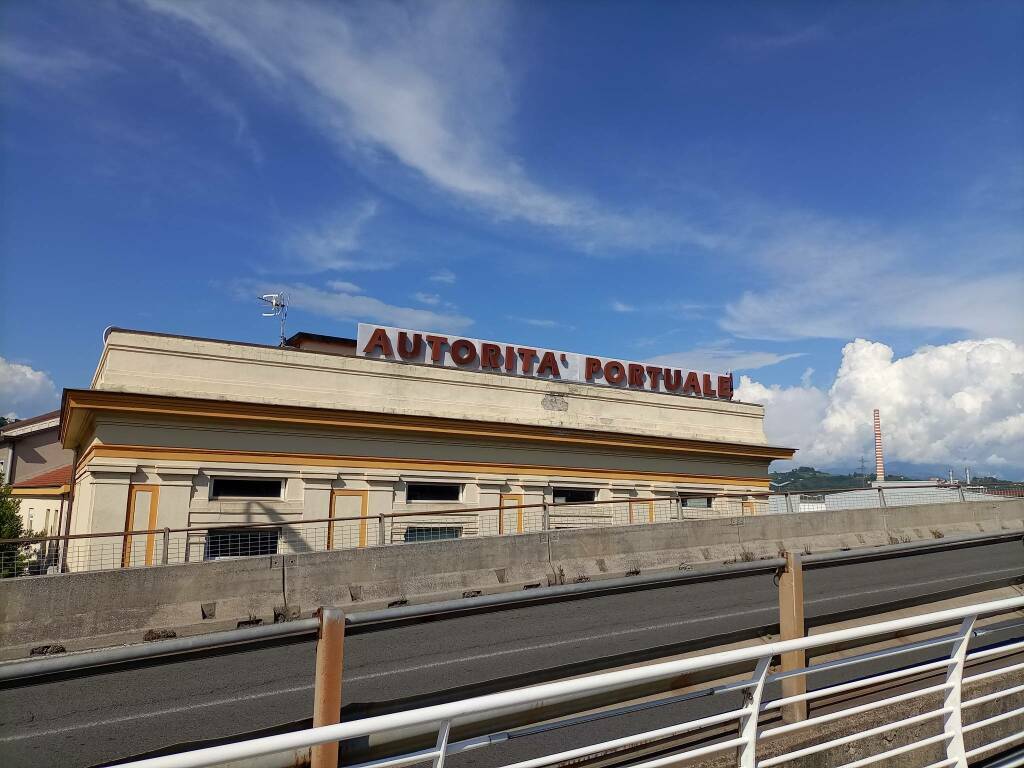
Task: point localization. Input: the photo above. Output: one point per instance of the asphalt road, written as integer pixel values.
(100, 717)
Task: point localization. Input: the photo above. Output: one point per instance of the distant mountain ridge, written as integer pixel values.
(811, 479)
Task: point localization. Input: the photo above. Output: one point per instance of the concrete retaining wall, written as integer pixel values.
(105, 607)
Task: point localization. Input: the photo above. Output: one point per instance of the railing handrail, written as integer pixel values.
(337, 519)
(563, 690)
(682, 496)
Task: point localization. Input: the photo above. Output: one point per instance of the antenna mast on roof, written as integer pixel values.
(278, 309)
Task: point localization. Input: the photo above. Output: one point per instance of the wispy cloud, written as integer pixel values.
(54, 67)
(445, 276)
(430, 299)
(807, 35)
(425, 85)
(334, 244)
(722, 356)
(220, 103)
(835, 279)
(343, 286)
(338, 303)
(539, 322)
(671, 307)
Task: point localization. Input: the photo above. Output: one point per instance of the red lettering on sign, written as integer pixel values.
(436, 343)
(692, 385)
(654, 374)
(490, 356)
(548, 366)
(510, 359)
(614, 372)
(725, 387)
(463, 352)
(379, 339)
(709, 391)
(673, 380)
(528, 355)
(636, 375)
(592, 367)
(409, 351)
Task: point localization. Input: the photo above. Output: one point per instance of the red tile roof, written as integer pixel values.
(54, 478)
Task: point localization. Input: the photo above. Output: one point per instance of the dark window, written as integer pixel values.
(433, 492)
(240, 542)
(703, 503)
(423, 533)
(245, 488)
(567, 495)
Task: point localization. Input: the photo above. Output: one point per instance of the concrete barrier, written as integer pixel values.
(96, 608)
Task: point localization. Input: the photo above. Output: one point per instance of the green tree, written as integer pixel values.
(13, 558)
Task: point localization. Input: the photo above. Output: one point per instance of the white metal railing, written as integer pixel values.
(949, 716)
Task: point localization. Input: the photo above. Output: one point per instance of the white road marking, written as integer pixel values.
(1002, 571)
(157, 713)
(464, 659)
(555, 643)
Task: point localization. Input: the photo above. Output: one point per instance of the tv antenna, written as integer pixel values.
(278, 309)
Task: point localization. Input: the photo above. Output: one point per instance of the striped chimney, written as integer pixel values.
(879, 461)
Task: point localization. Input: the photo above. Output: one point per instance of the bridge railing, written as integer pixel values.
(37, 555)
(963, 700)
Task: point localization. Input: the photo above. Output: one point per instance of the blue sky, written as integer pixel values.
(743, 186)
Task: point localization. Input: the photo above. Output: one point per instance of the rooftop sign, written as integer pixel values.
(401, 345)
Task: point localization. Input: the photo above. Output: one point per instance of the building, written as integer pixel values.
(39, 471)
(178, 432)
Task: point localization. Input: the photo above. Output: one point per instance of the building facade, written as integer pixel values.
(219, 436)
(38, 468)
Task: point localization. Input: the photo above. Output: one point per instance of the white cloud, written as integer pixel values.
(445, 276)
(424, 84)
(834, 279)
(831, 306)
(343, 286)
(334, 244)
(621, 306)
(51, 67)
(339, 303)
(541, 322)
(813, 33)
(951, 404)
(430, 299)
(721, 356)
(24, 391)
(223, 105)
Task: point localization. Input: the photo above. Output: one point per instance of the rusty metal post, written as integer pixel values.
(330, 652)
(166, 547)
(791, 627)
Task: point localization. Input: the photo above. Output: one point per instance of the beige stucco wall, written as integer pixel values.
(35, 453)
(40, 514)
(176, 366)
(327, 469)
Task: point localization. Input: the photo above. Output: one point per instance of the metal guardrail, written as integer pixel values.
(36, 555)
(942, 702)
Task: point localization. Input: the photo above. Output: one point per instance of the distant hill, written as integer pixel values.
(811, 479)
